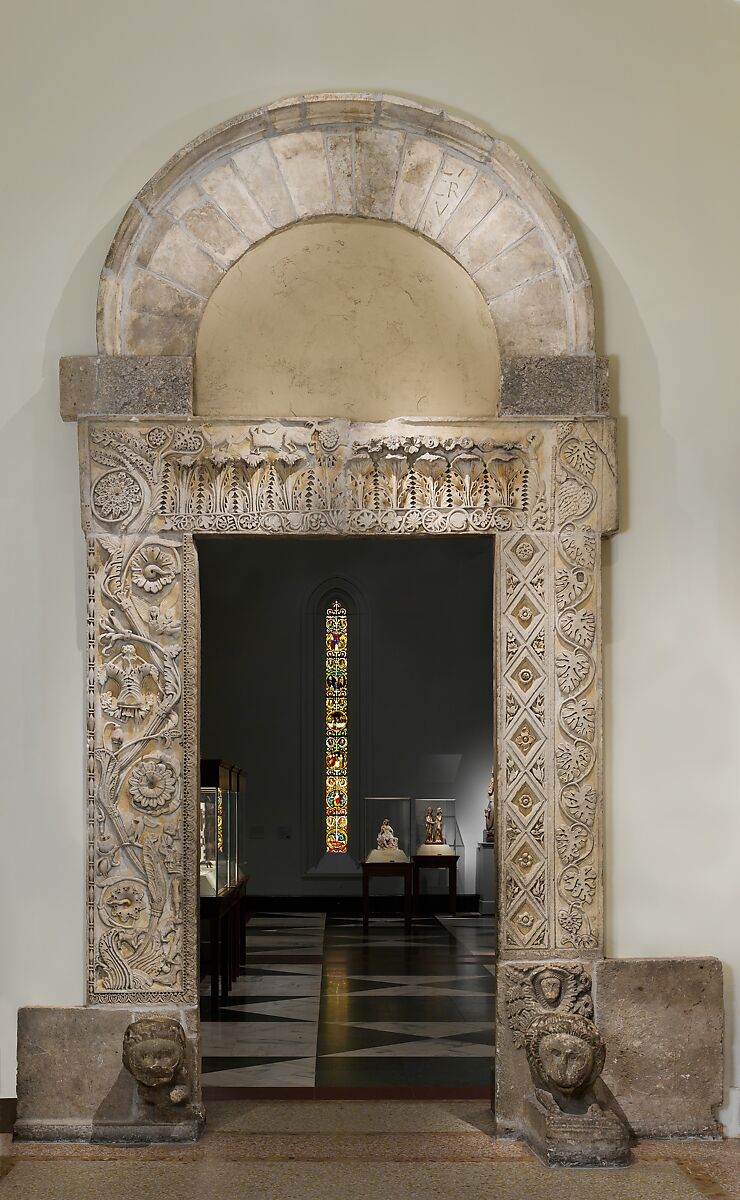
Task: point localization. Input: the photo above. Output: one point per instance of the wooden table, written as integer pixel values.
(449, 861)
(374, 870)
(226, 915)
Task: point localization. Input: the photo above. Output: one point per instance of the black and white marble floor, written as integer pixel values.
(320, 1004)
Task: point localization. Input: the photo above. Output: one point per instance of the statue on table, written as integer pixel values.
(438, 837)
(386, 838)
(488, 812)
(434, 838)
(387, 849)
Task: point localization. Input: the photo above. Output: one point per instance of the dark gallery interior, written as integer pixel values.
(346, 689)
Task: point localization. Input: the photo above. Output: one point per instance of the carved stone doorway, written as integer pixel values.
(539, 473)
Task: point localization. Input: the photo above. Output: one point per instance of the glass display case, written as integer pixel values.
(234, 807)
(215, 827)
(437, 830)
(241, 821)
(387, 829)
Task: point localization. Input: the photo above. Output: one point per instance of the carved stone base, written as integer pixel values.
(594, 1139)
(73, 1086)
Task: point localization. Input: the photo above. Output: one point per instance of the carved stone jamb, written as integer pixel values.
(142, 801)
(548, 687)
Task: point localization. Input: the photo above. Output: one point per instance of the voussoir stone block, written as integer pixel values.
(662, 1021)
(550, 386)
(131, 385)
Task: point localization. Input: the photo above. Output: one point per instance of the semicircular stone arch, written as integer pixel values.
(350, 155)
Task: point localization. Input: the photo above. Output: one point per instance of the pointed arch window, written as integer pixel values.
(336, 728)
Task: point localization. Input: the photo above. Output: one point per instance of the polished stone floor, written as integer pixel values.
(321, 1005)
(319, 1150)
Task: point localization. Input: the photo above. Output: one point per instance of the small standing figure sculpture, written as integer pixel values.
(429, 825)
(488, 811)
(438, 837)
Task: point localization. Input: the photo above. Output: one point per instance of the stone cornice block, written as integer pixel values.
(130, 385)
(559, 385)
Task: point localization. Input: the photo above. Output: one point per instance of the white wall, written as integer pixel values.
(629, 112)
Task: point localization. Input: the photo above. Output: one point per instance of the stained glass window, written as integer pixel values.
(336, 728)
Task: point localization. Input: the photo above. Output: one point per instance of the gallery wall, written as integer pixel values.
(422, 647)
(629, 113)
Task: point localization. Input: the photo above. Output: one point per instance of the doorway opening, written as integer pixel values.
(349, 676)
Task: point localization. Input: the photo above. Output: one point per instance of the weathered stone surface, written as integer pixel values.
(562, 384)
(526, 259)
(662, 1021)
(259, 169)
(231, 194)
(378, 158)
(421, 161)
(125, 386)
(302, 161)
(72, 1085)
(221, 238)
(447, 194)
(77, 380)
(512, 1082)
(503, 225)
(145, 385)
(162, 320)
(179, 258)
(340, 153)
(597, 1139)
(532, 318)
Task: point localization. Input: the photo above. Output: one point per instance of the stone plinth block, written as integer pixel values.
(485, 878)
(73, 1086)
(567, 384)
(131, 385)
(662, 1021)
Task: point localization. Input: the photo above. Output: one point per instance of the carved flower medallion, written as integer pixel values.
(116, 495)
(153, 785)
(153, 568)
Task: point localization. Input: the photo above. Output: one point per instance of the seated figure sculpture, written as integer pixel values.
(386, 838)
(387, 849)
(575, 1121)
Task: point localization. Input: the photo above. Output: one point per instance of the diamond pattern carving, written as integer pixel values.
(526, 674)
(526, 612)
(526, 800)
(525, 639)
(526, 920)
(526, 860)
(526, 738)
